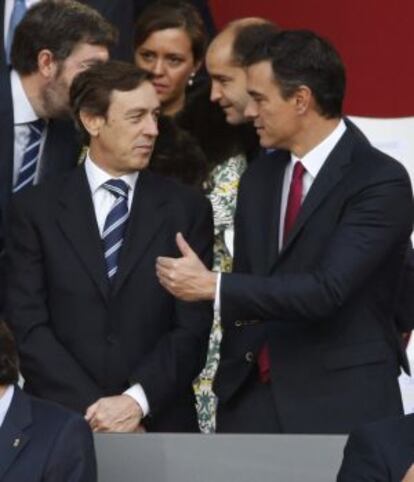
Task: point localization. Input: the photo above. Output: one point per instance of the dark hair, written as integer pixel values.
(300, 57)
(246, 37)
(91, 89)
(9, 364)
(59, 26)
(177, 154)
(173, 14)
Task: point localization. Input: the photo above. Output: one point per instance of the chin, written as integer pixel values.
(266, 143)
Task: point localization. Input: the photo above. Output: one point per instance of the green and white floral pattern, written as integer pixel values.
(224, 181)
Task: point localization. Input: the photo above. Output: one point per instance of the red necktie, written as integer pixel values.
(292, 210)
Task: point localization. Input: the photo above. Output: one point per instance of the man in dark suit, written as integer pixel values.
(39, 441)
(95, 330)
(321, 234)
(120, 13)
(381, 451)
(46, 55)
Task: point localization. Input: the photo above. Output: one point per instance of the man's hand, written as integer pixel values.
(186, 278)
(409, 476)
(120, 413)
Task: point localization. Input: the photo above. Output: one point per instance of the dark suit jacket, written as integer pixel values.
(81, 339)
(60, 154)
(380, 452)
(325, 303)
(43, 442)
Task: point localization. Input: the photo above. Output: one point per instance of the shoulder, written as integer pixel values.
(379, 451)
(393, 429)
(368, 157)
(50, 414)
(45, 195)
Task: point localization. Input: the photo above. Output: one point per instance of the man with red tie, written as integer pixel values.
(321, 232)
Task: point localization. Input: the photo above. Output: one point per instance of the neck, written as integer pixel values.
(3, 389)
(99, 157)
(33, 90)
(173, 107)
(315, 129)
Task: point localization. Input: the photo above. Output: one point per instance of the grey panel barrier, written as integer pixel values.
(218, 458)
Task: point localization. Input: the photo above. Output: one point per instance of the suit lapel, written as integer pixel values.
(266, 210)
(77, 220)
(13, 437)
(145, 219)
(328, 177)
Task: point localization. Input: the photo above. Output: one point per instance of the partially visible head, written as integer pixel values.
(290, 75)
(115, 105)
(9, 364)
(58, 39)
(170, 42)
(226, 71)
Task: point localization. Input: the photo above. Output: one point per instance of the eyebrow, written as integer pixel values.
(138, 111)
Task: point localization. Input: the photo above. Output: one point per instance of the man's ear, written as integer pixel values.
(91, 122)
(302, 98)
(46, 64)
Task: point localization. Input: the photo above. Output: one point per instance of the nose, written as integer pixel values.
(215, 94)
(151, 127)
(251, 111)
(158, 68)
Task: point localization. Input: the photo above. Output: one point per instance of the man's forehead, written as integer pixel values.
(219, 53)
(143, 96)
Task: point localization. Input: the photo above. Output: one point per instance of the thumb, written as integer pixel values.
(90, 412)
(183, 246)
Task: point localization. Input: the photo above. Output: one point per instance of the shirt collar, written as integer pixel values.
(5, 402)
(314, 159)
(22, 108)
(97, 176)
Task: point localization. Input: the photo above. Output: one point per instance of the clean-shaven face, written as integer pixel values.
(127, 134)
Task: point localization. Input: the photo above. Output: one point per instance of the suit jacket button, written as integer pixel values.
(238, 323)
(111, 339)
(249, 356)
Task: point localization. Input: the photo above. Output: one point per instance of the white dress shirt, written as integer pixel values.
(8, 8)
(5, 402)
(312, 162)
(103, 200)
(23, 113)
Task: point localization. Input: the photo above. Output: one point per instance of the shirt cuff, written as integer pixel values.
(217, 304)
(138, 394)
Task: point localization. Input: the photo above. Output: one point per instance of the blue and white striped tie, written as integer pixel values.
(27, 171)
(115, 224)
(18, 12)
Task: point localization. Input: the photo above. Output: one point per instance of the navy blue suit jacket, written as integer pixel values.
(60, 154)
(326, 303)
(43, 442)
(380, 452)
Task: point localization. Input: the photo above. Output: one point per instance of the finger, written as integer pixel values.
(183, 246)
(165, 273)
(166, 262)
(90, 412)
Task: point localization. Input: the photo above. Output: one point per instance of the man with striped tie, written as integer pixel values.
(35, 141)
(95, 329)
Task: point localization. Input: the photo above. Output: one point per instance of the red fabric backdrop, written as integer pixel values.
(375, 39)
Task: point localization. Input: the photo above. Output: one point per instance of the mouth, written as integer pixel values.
(144, 148)
(160, 87)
